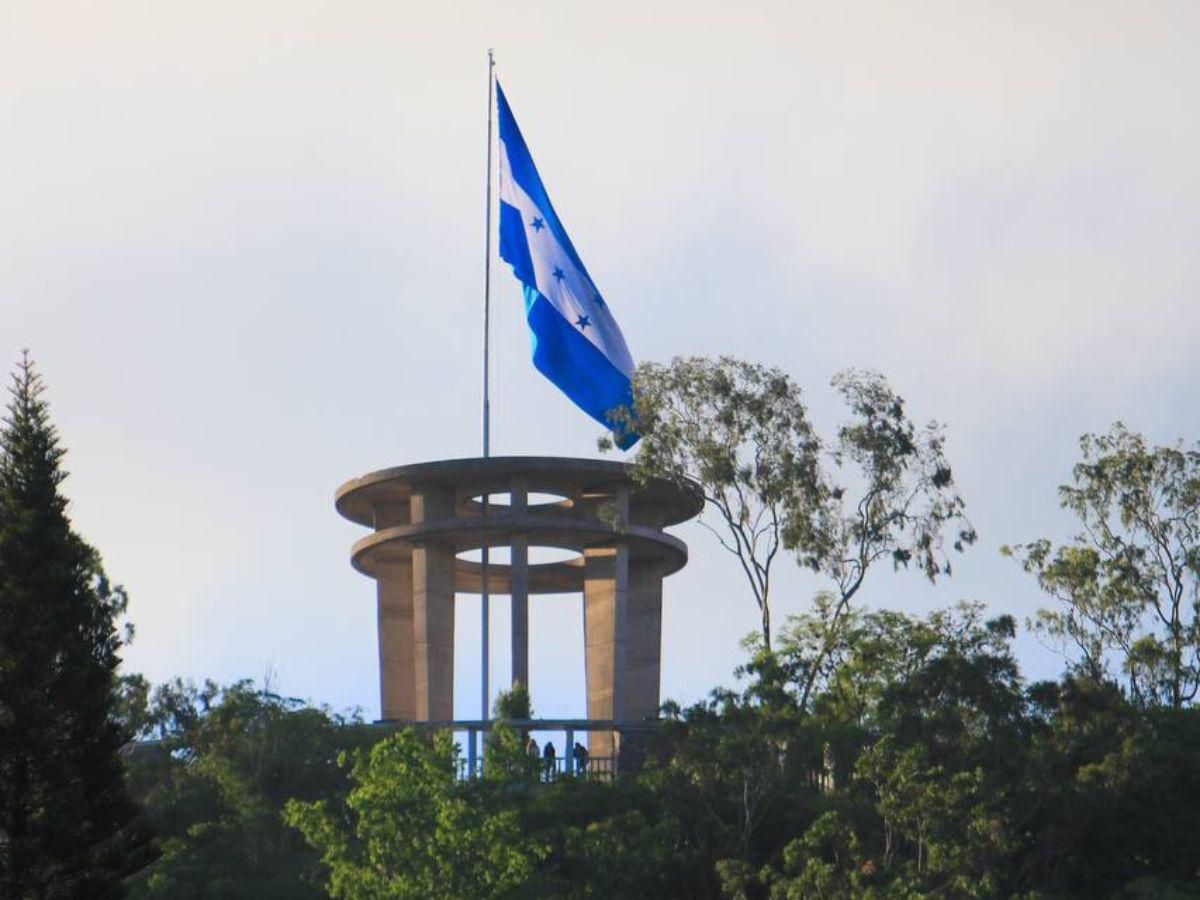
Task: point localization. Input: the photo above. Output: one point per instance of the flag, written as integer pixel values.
(576, 341)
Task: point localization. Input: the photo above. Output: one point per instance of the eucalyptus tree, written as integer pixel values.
(889, 495)
(883, 489)
(1128, 583)
(741, 432)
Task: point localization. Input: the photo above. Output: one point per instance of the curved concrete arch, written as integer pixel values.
(458, 534)
(656, 502)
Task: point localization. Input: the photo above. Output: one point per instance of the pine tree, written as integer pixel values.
(67, 825)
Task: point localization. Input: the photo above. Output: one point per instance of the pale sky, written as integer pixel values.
(244, 243)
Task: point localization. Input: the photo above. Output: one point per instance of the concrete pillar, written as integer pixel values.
(605, 624)
(397, 697)
(433, 609)
(519, 586)
(519, 579)
(644, 644)
(605, 597)
(394, 621)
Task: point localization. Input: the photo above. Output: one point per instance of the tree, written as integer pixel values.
(67, 824)
(740, 431)
(898, 504)
(930, 809)
(824, 862)
(1100, 798)
(735, 766)
(871, 651)
(922, 724)
(513, 704)
(507, 757)
(1128, 584)
(959, 781)
(409, 829)
(213, 777)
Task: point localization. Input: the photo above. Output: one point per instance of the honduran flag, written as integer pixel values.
(576, 341)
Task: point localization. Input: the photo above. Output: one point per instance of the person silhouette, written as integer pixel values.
(581, 757)
(548, 759)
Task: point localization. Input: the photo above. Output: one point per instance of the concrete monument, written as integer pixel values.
(424, 516)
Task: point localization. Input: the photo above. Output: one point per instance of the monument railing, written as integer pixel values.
(593, 768)
(562, 765)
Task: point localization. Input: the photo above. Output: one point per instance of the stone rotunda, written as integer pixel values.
(424, 516)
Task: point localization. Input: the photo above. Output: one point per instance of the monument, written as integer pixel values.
(424, 517)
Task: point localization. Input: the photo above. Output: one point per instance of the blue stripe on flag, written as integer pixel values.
(514, 245)
(575, 365)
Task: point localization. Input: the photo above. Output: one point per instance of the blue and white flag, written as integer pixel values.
(576, 341)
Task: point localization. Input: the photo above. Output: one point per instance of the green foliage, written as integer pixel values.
(905, 500)
(133, 705)
(849, 667)
(408, 829)
(925, 768)
(1128, 585)
(899, 504)
(513, 704)
(214, 783)
(823, 862)
(933, 812)
(741, 432)
(738, 765)
(882, 490)
(618, 854)
(1110, 790)
(507, 758)
(67, 824)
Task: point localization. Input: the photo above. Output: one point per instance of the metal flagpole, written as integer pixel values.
(487, 411)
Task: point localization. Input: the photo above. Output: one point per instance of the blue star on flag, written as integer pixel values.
(583, 323)
(558, 273)
(537, 224)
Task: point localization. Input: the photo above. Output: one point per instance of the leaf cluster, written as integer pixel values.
(881, 489)
(1127, 585)
(213, 776)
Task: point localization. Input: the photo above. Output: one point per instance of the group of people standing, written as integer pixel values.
(548, 756)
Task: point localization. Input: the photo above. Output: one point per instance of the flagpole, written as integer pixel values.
(487, 410)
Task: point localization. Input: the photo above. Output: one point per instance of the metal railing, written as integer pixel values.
(558, 768)
(562, 764)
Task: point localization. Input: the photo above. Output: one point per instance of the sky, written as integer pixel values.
(245, 244)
